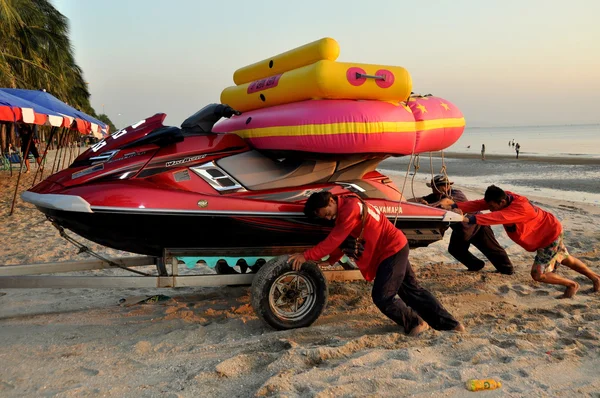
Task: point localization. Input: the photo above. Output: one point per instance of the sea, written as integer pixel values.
(559, 141)
(562, 162)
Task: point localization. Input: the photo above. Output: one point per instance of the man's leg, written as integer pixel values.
(486, 242)
(545, 263)
(425, 303)
(459, 249)
(578, 266)
(549, 277)
(388, 280)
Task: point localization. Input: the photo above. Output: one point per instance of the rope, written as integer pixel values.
(443, 171)
(85, 249)
(417, 165)
(403, 186)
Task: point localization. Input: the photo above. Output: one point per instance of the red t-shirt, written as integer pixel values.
(382, 238)
(529, 226)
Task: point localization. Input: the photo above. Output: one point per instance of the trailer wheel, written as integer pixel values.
(288, 299)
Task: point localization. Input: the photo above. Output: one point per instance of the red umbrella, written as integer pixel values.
(15, 109)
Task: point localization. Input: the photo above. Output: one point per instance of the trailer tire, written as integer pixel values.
(288, 299)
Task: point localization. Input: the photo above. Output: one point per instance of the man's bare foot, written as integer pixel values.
(570, 291)
(596, 283)
(420, 328)
(459, 328)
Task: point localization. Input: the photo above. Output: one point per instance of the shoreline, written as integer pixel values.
(583, 159)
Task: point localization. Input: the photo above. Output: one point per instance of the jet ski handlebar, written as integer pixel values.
(203, 120)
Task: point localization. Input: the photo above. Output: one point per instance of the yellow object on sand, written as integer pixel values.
(323, 49)
(485, 384)
(322, 80)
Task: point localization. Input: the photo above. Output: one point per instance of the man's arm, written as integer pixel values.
(418, 200)
(509, 215)
(346, 223)
(335, 256)
(471, 206)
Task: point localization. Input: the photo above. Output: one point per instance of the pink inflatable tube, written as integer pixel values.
(348, 126)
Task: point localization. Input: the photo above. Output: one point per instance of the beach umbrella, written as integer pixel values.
(84, 122)
(15, 109)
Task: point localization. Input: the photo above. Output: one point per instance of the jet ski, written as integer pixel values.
(148, 188)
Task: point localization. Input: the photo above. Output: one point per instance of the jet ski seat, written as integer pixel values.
(256, 171)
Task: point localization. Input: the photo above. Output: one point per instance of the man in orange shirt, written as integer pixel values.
(531, 228)
(384, 260)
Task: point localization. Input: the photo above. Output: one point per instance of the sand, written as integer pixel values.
(208, 342)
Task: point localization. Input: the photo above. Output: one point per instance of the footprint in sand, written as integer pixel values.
(504, 289)
(523, 373)
(593, 316)
(572, 308)
(553, 314)
(243, 364)
(504, 343)
(588, 334)
(522, 290)
(541, 292)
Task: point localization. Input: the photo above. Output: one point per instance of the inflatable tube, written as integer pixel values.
(349, 127)
(439, 123)
(325, 48)
(322, 80)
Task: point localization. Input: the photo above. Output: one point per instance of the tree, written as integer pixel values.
(36, 53)
(105, 119)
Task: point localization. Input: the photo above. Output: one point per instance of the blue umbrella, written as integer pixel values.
(49, 101)
(11, 101)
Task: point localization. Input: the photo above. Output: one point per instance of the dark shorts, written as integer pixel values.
(32, 150)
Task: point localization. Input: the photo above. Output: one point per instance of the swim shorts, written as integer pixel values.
(548, 258)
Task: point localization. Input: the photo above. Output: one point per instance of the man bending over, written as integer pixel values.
(531, 228)
(384, 260)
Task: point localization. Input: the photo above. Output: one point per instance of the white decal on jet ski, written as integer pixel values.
(184, 160)
(99, 145)
(138, 124)
(118, 134)
(122, 132)
(87, 171)
(372, 210)
(309, 192)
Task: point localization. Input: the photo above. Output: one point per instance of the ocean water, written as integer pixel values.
(545, 176)
(572, 140)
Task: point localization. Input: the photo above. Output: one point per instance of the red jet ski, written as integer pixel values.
(148, 188)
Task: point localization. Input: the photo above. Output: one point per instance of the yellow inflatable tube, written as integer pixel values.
(322, 80)
(323, 49)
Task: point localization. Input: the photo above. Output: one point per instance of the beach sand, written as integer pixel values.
(207, 342)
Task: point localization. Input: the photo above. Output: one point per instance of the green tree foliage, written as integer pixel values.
(36, 53)
(104, 118)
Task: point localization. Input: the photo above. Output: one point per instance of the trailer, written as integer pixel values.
(280, 296)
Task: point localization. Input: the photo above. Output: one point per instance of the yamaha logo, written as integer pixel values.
(202, 203)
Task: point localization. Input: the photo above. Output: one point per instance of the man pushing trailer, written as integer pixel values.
(531, 228)
(382, 256)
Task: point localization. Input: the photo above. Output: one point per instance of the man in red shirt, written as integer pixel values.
(531, 228)
(384, 260)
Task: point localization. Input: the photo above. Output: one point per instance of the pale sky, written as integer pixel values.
(502, 62)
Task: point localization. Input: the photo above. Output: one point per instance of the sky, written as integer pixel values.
(503, 63)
